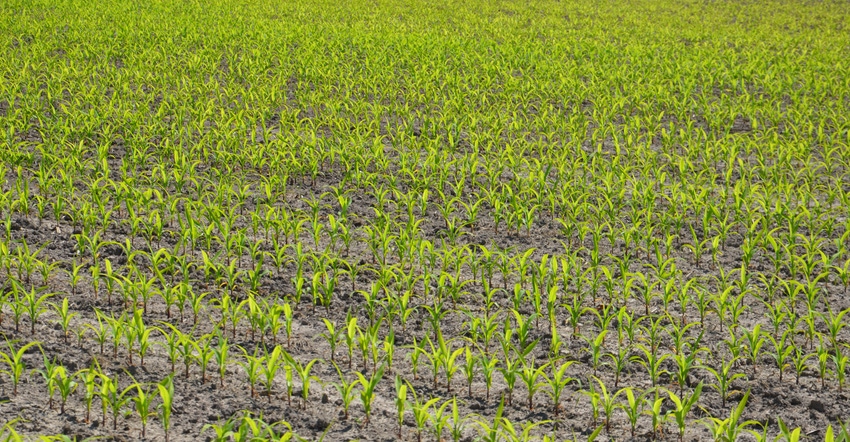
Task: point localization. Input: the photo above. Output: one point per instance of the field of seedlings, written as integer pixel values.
(390, 220)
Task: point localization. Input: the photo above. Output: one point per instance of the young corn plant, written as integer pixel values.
(272, 364)
(754, 343)
(682, 408)
(684, 366)
(491, 432)
(655, 411)
(840, 362)
(64, 383)
(165, 389)
(346, 389)
(351, 333)
(510, 371)
(89, 378)
(367, 392)
(14, 360)
(50, 373)
(449, 361)
(731, 428)
(534, 380)
(221, 354)
(142, 334)
(400, 402)
(421, 409)
(652, 362)
(205, 351)
(724, 378)
(440, 419)
(619, 362)
(252, 365)
(782, 352)
(333, 337)
(143, 402)
(822, 357)
(35, 306)
(489, 365)
(114, 398)
(303, 372)
(65, 315)
(606, 401)
(786, 434)
(596, 347)
(799, 361)
(633, 406)
(469, 367)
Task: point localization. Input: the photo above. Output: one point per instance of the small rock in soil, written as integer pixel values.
(320, 424)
